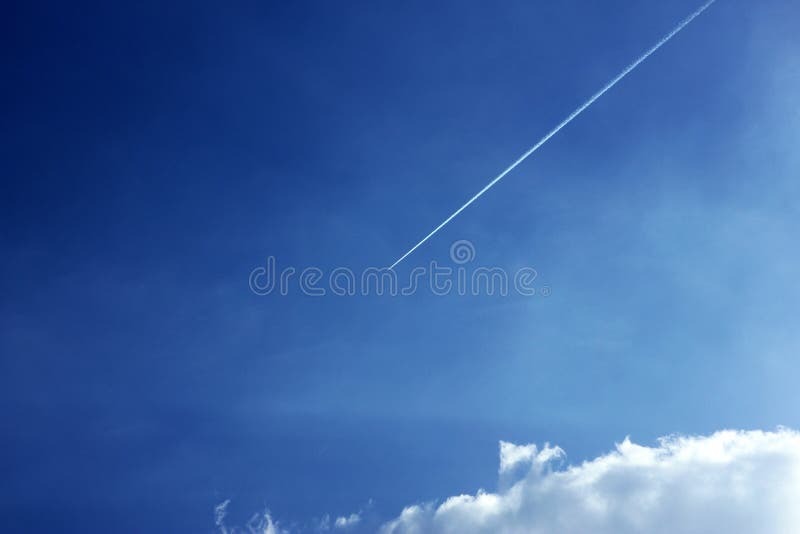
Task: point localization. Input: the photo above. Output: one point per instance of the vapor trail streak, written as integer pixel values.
(563, 123)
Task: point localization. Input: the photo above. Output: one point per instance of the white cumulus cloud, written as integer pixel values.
(732, 481)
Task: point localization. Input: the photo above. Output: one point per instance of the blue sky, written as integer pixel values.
(154, 155)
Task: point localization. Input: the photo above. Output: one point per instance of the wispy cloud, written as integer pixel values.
(258, 524)
(264, 523)
(347, 522)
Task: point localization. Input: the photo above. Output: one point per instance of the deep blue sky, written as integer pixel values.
(153, 155)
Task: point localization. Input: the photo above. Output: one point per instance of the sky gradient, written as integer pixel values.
(154, 155)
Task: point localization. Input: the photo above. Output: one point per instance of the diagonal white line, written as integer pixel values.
(561, 125)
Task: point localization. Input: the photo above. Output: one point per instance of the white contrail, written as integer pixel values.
(563, 123)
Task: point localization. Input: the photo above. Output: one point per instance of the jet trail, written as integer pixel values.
(563, 123)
